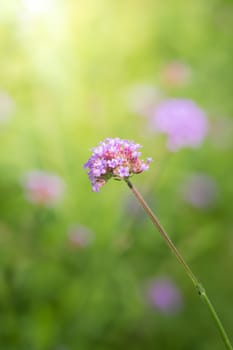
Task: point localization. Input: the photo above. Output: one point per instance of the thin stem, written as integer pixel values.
(217, 321)
(163, 233)
(197, 284)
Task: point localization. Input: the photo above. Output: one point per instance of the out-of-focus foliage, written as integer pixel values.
(75, 265)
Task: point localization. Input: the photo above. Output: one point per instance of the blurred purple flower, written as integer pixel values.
(184, 123)
(200, 191)
(164, 295)
(114, 158)
(176, 74)
(142, 98)
(6, 107)
(43, 188)
(80, 236)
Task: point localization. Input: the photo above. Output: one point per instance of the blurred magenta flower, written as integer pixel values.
(164, 295)
(184, 123)
(176, 74)
(80, 236)
(200, 190)
(43, 188)
(114, 158)
(6, 107)
(141, 99)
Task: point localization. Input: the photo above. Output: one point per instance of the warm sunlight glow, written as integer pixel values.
(38, 7)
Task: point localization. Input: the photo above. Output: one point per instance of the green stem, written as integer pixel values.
(197, 284)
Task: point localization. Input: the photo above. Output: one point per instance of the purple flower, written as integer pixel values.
(184, 123)
(43, 188)
(164, 295)
(123, 171)
(114, 158)
(199, 190)
(80, 236)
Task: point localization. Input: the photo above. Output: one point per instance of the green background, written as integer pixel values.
(68, 66)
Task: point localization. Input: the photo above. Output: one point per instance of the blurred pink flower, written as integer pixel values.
(184, 123)
(80, 236)
(141, 99)
(6, 107)
(176, 74)
(43, 188)
(199, 190)
(164, 295)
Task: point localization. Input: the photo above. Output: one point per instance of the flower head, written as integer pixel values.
(164, 295)
(114, 158)
(43, 188)
(184, 123)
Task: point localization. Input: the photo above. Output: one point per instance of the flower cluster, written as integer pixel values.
(114, 158)
(184, 123)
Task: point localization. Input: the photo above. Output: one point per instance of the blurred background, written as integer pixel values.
(83, 270)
